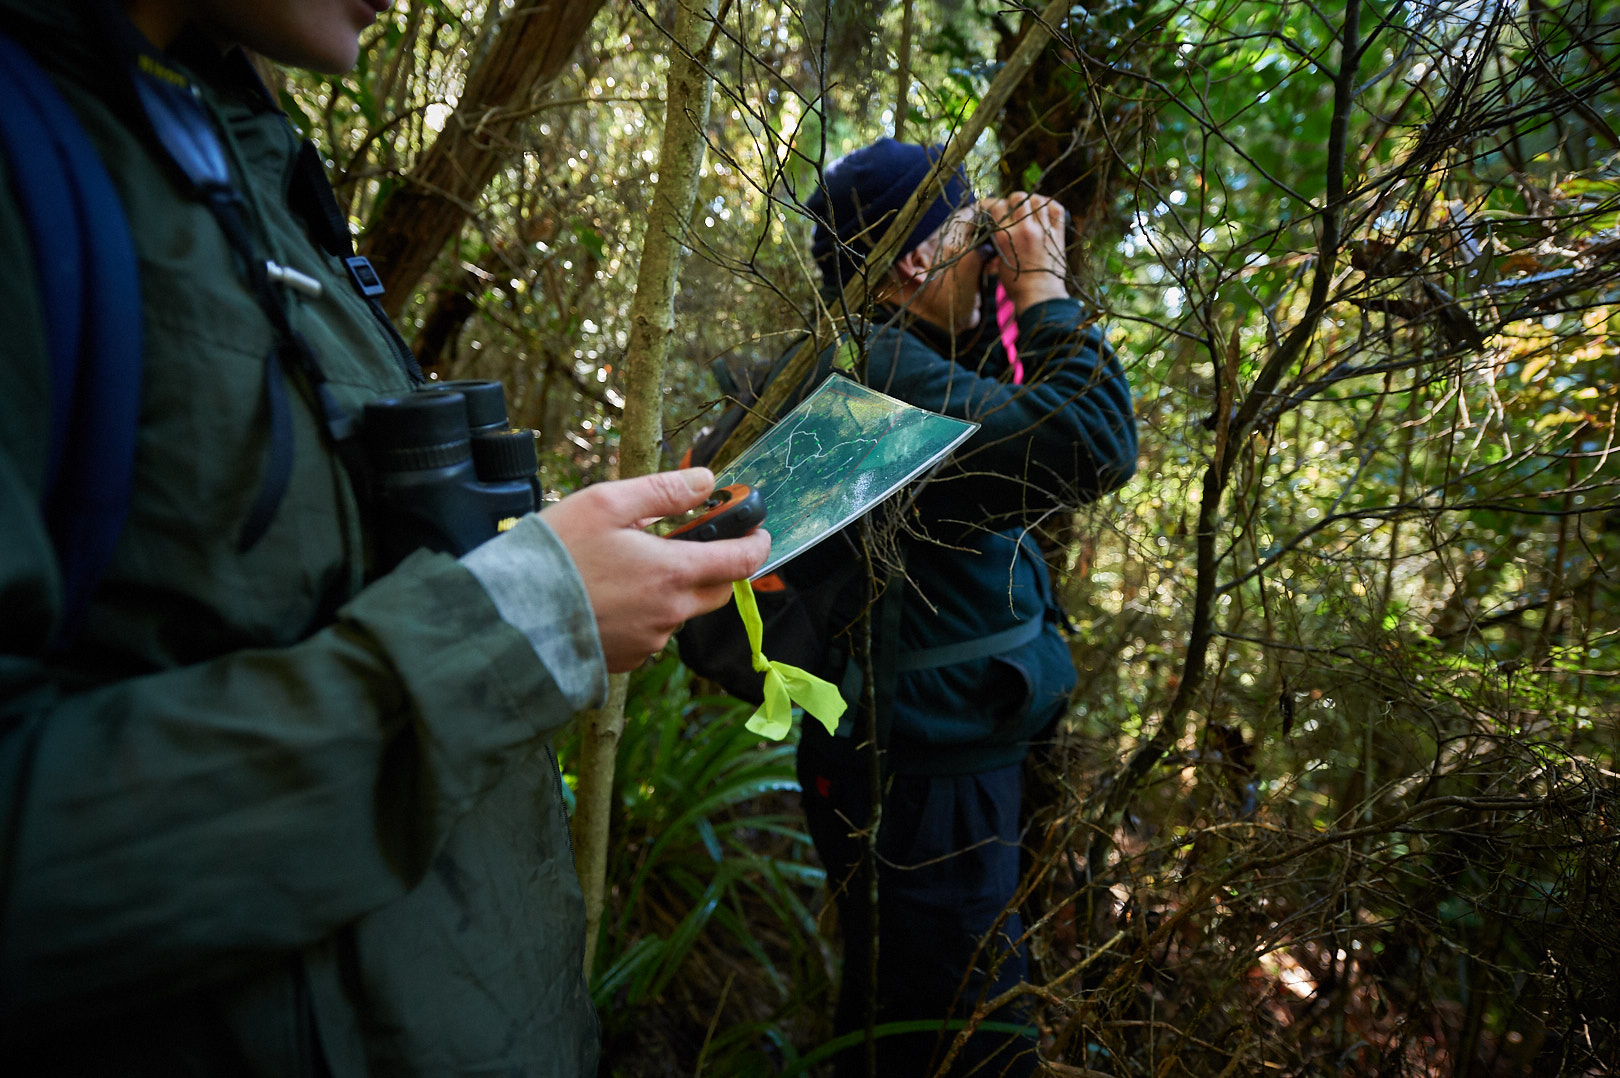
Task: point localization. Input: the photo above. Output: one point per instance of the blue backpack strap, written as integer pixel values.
(982, 647)
(997, 643)
(89, 284)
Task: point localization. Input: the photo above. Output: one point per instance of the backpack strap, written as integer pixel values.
(890, 660)
(89, 285)
(171, 111)
(311, 197)
(967, 650)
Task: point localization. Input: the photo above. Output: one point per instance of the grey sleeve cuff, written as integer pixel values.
(532, 581)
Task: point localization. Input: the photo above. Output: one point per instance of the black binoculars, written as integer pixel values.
(447, 471)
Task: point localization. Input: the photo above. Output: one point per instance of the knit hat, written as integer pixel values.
(862, 191)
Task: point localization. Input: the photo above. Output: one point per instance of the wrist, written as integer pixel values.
(1027, 293)
(536, 588)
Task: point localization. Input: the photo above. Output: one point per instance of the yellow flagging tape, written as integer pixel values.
(785, 685)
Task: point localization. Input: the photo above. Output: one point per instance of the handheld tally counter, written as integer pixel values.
(731, 512)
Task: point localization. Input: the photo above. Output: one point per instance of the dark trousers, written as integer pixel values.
(948, 868)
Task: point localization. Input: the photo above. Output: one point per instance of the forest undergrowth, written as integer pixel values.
(1462, 917)
(1337, 794)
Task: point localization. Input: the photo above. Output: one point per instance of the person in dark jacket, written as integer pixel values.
(262, 814)
(978, 669)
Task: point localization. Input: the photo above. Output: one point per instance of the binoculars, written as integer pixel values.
(446, 469)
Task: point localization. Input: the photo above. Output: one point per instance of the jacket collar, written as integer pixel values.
(230, 72)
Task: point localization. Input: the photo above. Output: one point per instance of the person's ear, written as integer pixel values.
(912, 267)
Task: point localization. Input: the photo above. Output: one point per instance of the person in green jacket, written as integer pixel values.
(265, 815)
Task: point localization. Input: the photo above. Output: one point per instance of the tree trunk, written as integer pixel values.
(532, 46)
(652, 320)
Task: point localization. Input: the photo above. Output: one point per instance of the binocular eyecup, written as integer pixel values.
(448, 472)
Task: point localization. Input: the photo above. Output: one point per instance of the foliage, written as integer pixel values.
(709, 876)
(1337, 793)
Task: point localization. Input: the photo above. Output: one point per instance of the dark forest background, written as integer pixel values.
(1337, 792)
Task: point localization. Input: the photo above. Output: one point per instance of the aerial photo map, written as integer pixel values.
(840, 452)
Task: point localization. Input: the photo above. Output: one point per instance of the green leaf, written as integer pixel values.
(591, 240)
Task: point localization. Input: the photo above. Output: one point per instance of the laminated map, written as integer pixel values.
(843, 450)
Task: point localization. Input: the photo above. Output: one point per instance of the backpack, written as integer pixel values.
(89, 290)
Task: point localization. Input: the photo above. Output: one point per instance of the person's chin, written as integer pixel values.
(322, 57)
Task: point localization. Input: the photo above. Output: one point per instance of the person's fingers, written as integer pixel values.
(717, 564)
(1057, 216)
(642, 586)
(1027, 209)
(1030, 208)
(710, 569)
(662, 494)
(1051, 220)
(1021, 217)
(1041, 223)
(1035, 210)
(712, 597)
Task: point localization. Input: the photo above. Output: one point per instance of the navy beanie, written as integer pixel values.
(861, 191)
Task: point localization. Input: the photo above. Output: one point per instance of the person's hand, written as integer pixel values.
(1029, 238)
(642, 587)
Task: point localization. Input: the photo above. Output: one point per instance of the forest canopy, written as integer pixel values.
(1337, 791)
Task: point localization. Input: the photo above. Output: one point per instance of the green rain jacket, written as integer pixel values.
(262, 819)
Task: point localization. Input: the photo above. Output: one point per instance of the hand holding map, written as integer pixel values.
(840, 452)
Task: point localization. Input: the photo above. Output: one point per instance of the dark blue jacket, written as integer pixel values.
(1064, 437)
